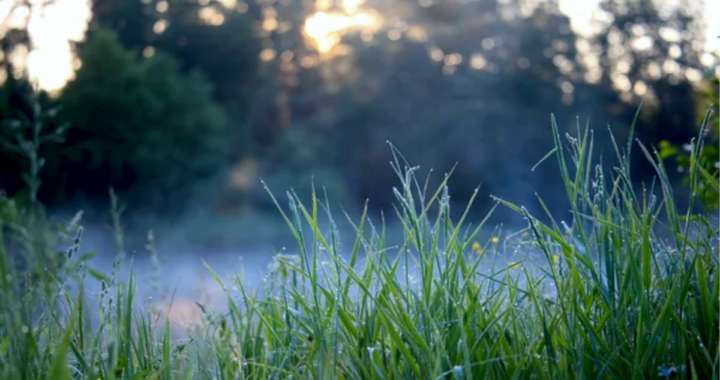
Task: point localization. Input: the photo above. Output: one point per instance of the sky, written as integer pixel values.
(52, 62)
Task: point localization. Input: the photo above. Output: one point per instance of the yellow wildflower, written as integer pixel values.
(495, 239)
(476, 246)
(556, 257)
(515, 266)
(525, 234)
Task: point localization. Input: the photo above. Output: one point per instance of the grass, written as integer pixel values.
(630, 290)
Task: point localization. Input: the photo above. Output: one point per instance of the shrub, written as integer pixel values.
(141, 127)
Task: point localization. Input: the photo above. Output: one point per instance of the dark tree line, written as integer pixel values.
(173, 93)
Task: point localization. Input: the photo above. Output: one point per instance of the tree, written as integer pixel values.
(226, 52)
(478, 94)
(211, 37)
(138, 125)
(132, 21)
(222, 45)
(653, 53)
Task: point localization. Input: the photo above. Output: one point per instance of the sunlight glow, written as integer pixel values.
(51, 62)
(324, 29)
(351, 6)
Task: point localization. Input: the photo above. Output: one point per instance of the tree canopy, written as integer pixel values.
(175, 92)
(138, 121)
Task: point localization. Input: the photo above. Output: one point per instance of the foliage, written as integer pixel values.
(30, 264)
(20, 105)
(709, 160)
(607, 297)
(26, 136)
(464, 82)
(138, 122)
(132, 21)
(226, 53)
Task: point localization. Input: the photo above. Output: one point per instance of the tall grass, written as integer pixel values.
(608, 297)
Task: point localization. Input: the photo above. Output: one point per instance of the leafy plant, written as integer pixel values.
(709, 159)
(27, 134)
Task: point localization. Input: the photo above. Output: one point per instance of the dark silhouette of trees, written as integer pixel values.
(148, 130)
(446, 81)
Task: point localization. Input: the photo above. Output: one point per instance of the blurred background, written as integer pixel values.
(183, 106)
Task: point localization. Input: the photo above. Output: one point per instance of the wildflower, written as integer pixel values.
(477, 249)
(514, 265)
(556, 257)
(525, 234)
(495, 239)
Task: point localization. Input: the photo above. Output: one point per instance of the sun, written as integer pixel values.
(325, 27)
(52, 27)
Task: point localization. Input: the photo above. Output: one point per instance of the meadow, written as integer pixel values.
(629, 289)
